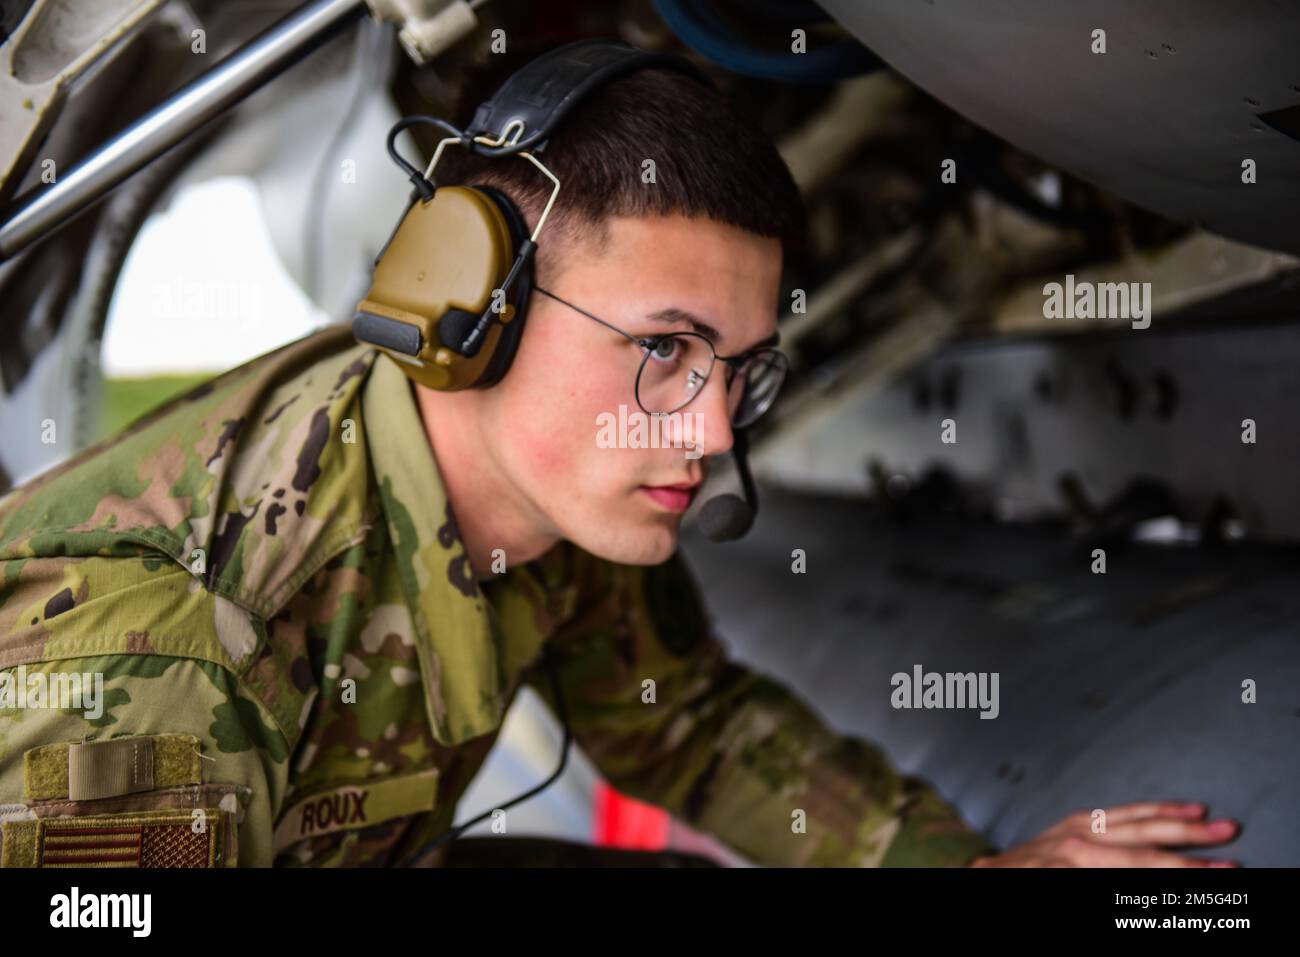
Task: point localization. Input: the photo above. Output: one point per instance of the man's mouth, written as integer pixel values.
(675, 498)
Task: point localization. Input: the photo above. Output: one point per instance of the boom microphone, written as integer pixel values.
(724, 518)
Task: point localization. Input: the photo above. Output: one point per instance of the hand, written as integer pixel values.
(1134, 836)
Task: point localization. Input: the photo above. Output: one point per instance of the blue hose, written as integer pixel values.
(698, 25)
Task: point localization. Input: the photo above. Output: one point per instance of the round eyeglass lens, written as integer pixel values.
(673, 372)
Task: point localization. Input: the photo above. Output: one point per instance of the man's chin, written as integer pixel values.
(628, 543)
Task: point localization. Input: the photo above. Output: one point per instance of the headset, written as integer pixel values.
(450, 292)
(449, 297)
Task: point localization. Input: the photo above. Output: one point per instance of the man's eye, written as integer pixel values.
(665, 350)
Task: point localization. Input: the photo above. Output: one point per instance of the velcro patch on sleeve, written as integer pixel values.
(140, 839)
(356, 805)
(89, 770)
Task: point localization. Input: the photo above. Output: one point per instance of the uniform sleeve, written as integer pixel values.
(154, 723)
(653, 700)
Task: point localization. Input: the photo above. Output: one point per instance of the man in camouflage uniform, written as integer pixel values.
(269, 576)
(283, 577)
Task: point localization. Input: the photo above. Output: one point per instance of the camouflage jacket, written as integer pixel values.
(299, 667)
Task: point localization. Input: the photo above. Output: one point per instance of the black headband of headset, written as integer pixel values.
(545, 90)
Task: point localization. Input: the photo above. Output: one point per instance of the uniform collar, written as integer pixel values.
(454, 638)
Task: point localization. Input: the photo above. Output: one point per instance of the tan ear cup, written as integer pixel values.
(446, 260)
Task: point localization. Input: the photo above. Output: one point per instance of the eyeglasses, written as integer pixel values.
(675, 367)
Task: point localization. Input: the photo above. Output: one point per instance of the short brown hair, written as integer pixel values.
(709, 161)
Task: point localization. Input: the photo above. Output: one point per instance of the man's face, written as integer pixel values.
(543, 421)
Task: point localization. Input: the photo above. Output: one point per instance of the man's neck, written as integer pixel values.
(490, 512)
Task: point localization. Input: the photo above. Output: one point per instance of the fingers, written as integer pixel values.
(1141, 810)
(1168, 832)
(1081, 852)
(1137, 811)
(1151, 857)
(1136, 835)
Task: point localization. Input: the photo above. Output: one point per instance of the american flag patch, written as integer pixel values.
(172, 838)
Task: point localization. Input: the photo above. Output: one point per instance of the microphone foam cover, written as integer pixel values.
(725, 518)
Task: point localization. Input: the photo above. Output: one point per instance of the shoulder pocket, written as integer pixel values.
(133, 801)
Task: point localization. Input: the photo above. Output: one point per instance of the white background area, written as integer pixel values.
(203, 288)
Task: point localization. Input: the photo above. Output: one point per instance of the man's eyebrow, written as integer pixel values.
(673, 314)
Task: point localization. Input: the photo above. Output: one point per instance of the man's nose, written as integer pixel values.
(712, 403)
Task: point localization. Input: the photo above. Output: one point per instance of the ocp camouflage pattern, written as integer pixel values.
(270, 564)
